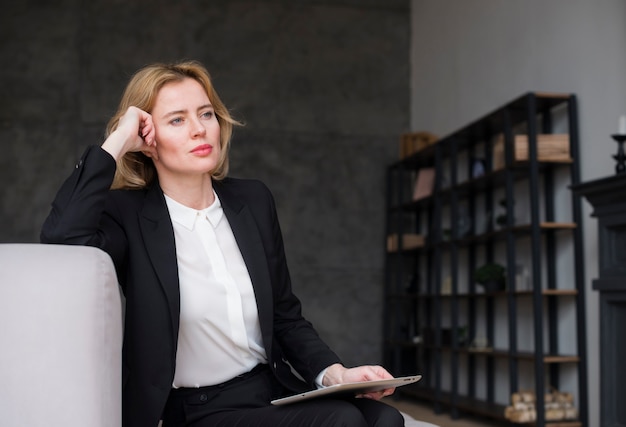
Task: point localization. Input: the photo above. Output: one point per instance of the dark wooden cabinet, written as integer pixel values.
(606, 195)
(500, 193)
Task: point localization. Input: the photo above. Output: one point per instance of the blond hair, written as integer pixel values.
(135, 170)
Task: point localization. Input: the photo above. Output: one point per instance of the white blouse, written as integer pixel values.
(220, 335)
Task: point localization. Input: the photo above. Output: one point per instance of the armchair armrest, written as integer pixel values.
(61, 337)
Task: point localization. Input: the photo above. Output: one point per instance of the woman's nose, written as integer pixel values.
(198, 128)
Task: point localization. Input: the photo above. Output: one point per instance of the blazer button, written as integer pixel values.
(203, 397)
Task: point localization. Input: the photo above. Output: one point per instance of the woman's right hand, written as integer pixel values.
(134, 132)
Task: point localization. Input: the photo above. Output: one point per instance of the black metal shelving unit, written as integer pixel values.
(428, 329)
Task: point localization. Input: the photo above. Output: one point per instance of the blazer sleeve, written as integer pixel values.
(78, 215)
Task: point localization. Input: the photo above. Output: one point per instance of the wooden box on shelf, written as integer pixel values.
(415, 141)
(550, 148)
(409, 241)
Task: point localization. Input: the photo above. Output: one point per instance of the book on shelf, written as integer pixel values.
(424, 183)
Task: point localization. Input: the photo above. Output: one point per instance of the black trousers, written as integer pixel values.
(245, 402)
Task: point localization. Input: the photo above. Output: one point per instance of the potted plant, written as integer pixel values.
(491, 277)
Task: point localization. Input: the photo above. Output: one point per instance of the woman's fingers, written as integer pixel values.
(145, 125)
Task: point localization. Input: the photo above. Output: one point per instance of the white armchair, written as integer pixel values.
(60, 337)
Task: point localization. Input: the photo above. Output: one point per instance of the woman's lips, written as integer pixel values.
(202, 150)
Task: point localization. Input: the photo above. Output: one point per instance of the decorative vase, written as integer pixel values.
(493, 285)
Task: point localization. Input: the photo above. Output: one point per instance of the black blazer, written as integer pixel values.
(134, 228)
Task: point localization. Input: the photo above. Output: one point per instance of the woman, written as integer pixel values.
(212, 328)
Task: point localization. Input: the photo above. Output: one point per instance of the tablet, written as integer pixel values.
(348, 388)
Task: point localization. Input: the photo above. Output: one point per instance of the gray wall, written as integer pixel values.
(321, 85)
(470, 57)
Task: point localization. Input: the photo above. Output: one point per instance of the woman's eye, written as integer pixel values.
(207, 114)
(176, 121)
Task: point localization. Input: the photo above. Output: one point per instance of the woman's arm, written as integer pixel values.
(78, 215)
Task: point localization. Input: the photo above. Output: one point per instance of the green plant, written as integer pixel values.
(490, 273)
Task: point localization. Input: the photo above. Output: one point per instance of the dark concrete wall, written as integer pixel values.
(323, 87)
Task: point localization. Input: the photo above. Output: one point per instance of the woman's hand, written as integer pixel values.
(134, 132)
(338, 374)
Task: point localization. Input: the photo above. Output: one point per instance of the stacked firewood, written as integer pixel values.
(559, 406)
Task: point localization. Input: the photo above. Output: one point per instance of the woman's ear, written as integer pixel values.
(151, 151)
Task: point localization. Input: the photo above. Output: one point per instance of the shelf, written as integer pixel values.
(551, 292)
(405, 242)
(476, 406)
(516, 113)
(503, 354)
(496, 353)
(547, 226)
(545, 292)
(561, 424)
(495, 235)
(554, 245)
(479, 407)
(501, 233)
(488, 126)
(404, 295)
(403, 343)
(465, 189)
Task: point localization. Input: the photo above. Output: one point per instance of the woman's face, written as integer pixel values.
(187, 132)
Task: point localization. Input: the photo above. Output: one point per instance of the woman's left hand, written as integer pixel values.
(338, 374)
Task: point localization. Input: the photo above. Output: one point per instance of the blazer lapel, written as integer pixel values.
(250, 244)
(158, 234)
